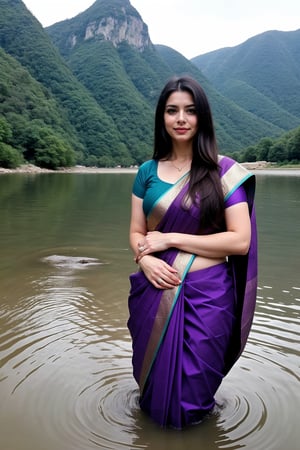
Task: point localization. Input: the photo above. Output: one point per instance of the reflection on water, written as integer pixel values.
(65, 369)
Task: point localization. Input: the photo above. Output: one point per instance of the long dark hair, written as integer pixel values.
(205, 184)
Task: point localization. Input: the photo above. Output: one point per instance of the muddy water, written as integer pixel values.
(65, 353)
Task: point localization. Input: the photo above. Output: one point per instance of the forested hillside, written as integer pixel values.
(31, 120)
(230, 119)
(86, 43)
(262, 75)
(96, 132)
(84, 90)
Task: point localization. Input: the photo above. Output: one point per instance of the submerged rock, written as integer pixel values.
(71, 262)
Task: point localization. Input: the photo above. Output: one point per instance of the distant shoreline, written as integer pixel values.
(261, 168)
(31, 169)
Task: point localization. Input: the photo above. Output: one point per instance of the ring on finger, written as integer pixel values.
(141, 248)
(160, 280)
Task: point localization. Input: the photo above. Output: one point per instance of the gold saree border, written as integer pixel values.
(163, 203)
(169, 296)
(182, 263)
(233, 178)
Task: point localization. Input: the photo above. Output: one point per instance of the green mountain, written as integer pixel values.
(101, 54)
(230, 118)
(31, 47)
(108, 49)
(262, 75)
(30, 116)
(84, 90)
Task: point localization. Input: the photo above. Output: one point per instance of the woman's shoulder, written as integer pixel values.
(148, 167)
(226, 160)
(226, 163)
(150, 163)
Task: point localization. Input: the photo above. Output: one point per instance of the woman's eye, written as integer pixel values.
(191, 111)
(171, 111)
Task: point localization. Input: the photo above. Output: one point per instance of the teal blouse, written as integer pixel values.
(149, 187)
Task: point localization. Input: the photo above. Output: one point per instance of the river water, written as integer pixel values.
(65, 353)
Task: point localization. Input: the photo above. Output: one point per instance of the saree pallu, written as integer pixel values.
(186, 339)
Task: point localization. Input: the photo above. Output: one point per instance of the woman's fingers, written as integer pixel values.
(159, 273)
(168, 274)
(160, 283)
(167, 280)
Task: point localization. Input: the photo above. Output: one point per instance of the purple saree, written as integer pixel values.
(187, 338)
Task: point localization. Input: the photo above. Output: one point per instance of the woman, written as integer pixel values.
(193, 235)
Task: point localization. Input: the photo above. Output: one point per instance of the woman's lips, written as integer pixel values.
(181, 130)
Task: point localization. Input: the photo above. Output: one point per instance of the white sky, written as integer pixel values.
(192, 27)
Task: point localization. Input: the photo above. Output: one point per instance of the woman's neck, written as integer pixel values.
(181, 153)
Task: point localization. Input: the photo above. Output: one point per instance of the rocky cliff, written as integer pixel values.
(115, 21)
(130, 29)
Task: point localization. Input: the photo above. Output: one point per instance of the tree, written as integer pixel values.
(5, 130)
(10, 158)
(293, 146)
(54, 153)
(105, 161)
(250, 154)
(278, 152)
(45, 148)
(263, 148)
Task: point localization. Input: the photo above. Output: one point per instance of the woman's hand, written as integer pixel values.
(154, 242)
(159, 273)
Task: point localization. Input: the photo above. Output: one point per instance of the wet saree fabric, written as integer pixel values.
(186, 339)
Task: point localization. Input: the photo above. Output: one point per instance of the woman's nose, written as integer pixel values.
(181, 116)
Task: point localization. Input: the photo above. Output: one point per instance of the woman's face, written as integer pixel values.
(180, 116)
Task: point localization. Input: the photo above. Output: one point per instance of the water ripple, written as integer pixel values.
(66, 358)
(264, 381)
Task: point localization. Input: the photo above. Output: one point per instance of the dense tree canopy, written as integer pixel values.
(283, 150)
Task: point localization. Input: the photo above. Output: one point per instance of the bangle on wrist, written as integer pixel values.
(138, 258)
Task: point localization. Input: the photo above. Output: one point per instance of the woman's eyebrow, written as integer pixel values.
(175, 106)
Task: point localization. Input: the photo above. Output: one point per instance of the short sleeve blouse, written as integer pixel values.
(149, 187)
